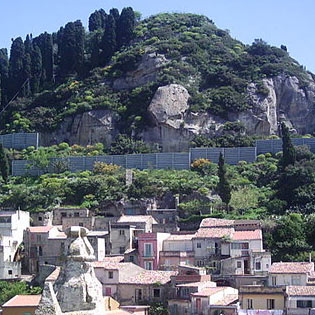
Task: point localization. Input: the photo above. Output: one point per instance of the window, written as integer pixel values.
(250, 304)
(296, 280)
(148, 252)
(76, 214)
(132, 258)
(38, 238)
(80, 224)
(200, 263)
(198, 245)
(156, 293)
(258, 265)
(304, 304)
(63, 214)
(121, 250)
(148, 265)
(121, 232)
(110, 275)
(40, 219)
(10, 272)
(40, 251)
(10, 258)
(270, 304)
(138, 295)
(238, 264)
(274, 280)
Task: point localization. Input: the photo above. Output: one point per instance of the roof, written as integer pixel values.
(247, 235)
(227, 300)
(54, 275)
(208, 291)
(40, 229)
(151, 277)
(23, 300)
(97, 233)
(214, 233)
(117, 312)
(114, 258)
(180, 237)
(136, 218)
(291, 267)
(196, 284)
(301, 290)
(213, 222)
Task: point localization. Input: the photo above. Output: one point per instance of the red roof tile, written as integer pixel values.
(40, 229)
(214, 232)
(23, 300)
(247, 235)
(113, 258)
(213, 222)
(208, 291)
(301, 290)
(180, 237)
(151, 277)
(292, 267)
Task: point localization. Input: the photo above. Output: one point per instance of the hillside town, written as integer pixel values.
(122, 264)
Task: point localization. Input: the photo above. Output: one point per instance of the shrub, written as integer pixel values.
(104, 168)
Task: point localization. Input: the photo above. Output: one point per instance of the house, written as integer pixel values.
(41, 218)
(141, 222)
(177, 249)
(149, 248)
(290, 273)
(167, 220)
(21, 305)
(63, 212)
(43, 245)
(130, 284)
(12, 227)
(112, 273)
(215, 300)
(300, 299)
(122, 238)
(257, 297)
(100, 242)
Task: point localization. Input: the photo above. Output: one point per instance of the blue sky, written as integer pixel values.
(288, 22)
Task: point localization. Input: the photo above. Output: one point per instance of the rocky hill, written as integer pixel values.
(178, 77)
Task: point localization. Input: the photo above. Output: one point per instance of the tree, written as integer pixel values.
(36, 69)
(108, 42)
(4, 74)
(72, 48)
(16, 65)
(223, 187)
(125, 26)
(289, 154)
(95, 21)
(4, 164)
(115, 14)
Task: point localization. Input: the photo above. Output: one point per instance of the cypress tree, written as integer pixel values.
(72, 48)
(125, 26)
(115, 14)
(4, 73)
(45, 43)
(223, 187)
(36, 69)
(95, 21)
(289, 154)
(4, 164)
(16, 66)
(108, 42)
(103, 16)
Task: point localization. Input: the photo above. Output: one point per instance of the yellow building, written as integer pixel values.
(21, 305)
(254, 297)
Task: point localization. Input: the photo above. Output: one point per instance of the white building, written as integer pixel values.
(12, 226)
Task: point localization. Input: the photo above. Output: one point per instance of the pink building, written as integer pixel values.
(149, 248)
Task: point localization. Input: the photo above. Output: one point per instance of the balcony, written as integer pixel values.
(148, 255)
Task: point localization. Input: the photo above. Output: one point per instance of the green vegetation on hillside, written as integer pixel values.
(72, 71)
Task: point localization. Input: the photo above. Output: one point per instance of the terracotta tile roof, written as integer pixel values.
(301, 290)
(180, 237)
(40, 229)
(214, 233)
(208, 291)
(213, 222)
(113, 258)
(136, 218)
(23, 300)
(247, 235)
(151, 277)
(228, 299)
(197, 284)
(292, 267)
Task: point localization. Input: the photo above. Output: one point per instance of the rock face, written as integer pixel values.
(173, 126)
(87, 128)
(146, 72)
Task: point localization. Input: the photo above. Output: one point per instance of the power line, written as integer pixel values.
(14, 97)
